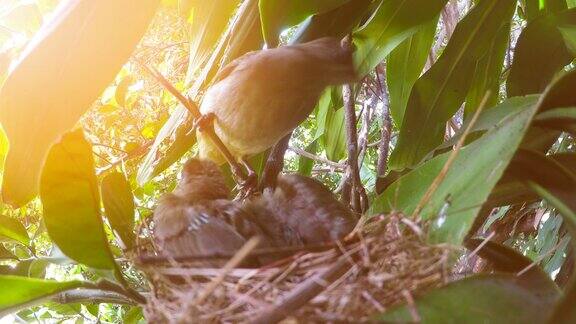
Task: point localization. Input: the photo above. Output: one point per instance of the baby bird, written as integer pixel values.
(260, 97)
(193, 218)
(301, 210)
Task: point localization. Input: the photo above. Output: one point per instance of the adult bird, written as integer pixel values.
(260, 97)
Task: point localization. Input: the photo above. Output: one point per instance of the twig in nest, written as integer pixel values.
(288, 250)
(442, 175)
(233, 263)
(305, 292)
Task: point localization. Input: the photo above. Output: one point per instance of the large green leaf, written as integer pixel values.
(485, 298)
(305, 164)
(404, 66)
(279, 14)
(439, 93)
(335, 135)
(71, 202)
(18, 292)
(11, 228)
(393, 22)
(540, 53)
(119, 205)
(64, 68)
(487, 75)
(475, 172)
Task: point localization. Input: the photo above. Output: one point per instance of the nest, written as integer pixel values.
(387, 263)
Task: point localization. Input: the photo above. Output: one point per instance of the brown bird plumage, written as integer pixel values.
(263, 95)
(301, 210)
(193, 219)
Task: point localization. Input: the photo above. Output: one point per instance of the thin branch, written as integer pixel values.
(316, 158)
(91, 296)
(274, 163)
(384, 146)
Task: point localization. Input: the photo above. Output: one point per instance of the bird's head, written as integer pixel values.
(334, 59)
(202, 180)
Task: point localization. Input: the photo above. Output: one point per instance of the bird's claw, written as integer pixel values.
(204, 121)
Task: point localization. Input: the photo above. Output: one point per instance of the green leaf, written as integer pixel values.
(64, 68)
(540, 53)
(439, 93)
(487, 75)
(71, 203)
(338, 22)
(535, 8)
(119, 205)
(475, 172)
(305, 165)
(335, 135)
(19, 292)
(404, 67)
(12, 229)
(485, 298)
(393, 22)
(5, 254)
(276, 15)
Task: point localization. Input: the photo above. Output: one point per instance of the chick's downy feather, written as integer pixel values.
(263, 95)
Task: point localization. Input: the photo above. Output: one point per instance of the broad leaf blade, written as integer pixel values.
(468, 183)
(12, 229)
(55, 80)
(19, 292)
(540, 53)
(119, 206)
(393, 22)
(404, 67)
(438, 94)
(71, 202)
(494, 298)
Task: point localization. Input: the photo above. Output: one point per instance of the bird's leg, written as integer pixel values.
(251, 181)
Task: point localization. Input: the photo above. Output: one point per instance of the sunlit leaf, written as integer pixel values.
(404, 67)
(439, 93)
(11, 228)
(5, 254)
(19, 292)
(208, 23)
(61, 72)
(71, 202)
(122, 90)
(119, 206)
(393, 22)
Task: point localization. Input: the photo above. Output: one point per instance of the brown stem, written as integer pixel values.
(384, 146)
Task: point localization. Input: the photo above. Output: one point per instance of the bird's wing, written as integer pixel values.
(232, 66)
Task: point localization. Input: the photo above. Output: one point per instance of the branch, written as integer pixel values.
(316, 158)
(91, 296)
(358, 193)
(274, 163)
(384, 146)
